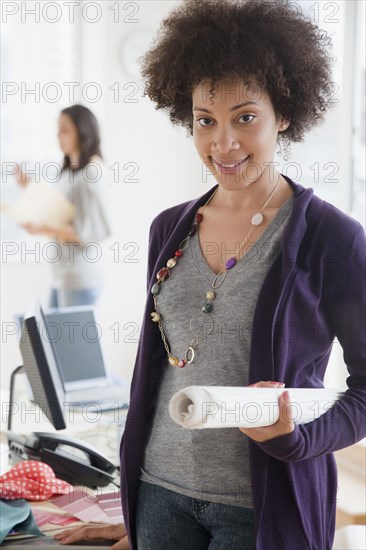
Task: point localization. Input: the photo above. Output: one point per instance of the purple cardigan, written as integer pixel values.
(315, 291)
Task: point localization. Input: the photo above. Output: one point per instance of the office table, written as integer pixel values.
(48, 543)
(105, 435)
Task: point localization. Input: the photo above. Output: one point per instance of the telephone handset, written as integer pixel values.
(82, 464)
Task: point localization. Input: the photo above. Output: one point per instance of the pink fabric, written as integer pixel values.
(32, 480)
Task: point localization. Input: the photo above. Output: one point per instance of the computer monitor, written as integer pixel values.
(75, 337)
(40, 366)
(76, 341)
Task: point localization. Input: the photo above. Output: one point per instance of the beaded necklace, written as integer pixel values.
(207, 307)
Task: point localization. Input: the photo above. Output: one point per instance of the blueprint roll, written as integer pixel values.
(198, 407)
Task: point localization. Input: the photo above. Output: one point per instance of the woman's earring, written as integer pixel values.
(285, 148)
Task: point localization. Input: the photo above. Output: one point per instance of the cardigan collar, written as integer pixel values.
(295, 229)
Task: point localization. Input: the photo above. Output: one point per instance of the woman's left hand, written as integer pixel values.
(90, 531)
(39, 229)
(64, 234)
(284, 424)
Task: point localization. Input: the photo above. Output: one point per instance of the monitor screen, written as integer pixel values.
(75, 339)
(41, 368)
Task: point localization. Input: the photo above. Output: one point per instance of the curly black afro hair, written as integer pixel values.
(216, 39)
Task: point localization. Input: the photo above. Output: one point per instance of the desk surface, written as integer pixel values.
(106, 439)
(48, 543)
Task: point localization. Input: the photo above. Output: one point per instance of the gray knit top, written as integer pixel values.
(208, 464)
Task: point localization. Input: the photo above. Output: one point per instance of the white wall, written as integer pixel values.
(169, 172)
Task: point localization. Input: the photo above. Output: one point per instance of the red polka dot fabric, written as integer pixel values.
(32, 480)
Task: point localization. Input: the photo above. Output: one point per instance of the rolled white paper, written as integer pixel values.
(197, 407)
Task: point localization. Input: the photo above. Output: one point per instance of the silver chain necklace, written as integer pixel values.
(207, 307)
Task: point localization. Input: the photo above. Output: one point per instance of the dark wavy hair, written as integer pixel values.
(89, 137)
(214, 40)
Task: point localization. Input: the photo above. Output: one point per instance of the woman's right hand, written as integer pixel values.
(285, 423)
(268, 384)
(93, 532)
(22, 178)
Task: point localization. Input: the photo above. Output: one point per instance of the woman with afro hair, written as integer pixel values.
(247, 285)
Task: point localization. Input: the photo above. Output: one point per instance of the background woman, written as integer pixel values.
(77, 275)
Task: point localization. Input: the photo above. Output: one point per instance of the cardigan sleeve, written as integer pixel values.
(345, 422)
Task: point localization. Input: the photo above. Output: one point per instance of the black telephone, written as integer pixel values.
(81, 465)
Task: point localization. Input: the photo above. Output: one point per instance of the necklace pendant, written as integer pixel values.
(190, 351)
(207, 307)
(173, 361)
(155, 289)
(257, 218)
(210, 295)
(182, 363)
(163, 274)
(230, 263)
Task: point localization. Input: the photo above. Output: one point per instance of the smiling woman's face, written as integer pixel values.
(235, 125)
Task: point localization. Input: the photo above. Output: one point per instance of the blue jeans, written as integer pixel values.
(67, 298)
(170, 521)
